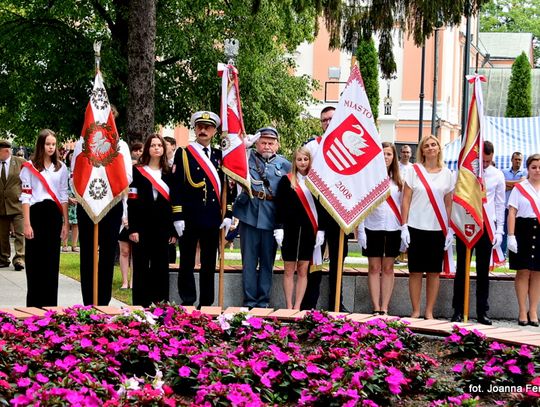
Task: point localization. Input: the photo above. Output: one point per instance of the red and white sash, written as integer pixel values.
(305, 197)
(437, 203)
(45, 184)
(208, 168)
(158, 184)
(529, 196)
(392, 204)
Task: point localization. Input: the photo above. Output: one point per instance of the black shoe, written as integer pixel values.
(533, 323)
(343, 308)
(18, 266)
(457, 317)
(2, 265)
(523, 323)
(484, 320)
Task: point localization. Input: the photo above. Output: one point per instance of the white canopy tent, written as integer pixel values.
(507, 135)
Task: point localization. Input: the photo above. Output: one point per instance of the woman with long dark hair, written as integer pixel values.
(379, 237)
(150, 223)
(524, 241)
(45, 210)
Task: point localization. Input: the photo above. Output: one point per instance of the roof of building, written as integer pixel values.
(503, 45)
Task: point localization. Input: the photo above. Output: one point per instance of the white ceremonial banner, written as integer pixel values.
(348, 173)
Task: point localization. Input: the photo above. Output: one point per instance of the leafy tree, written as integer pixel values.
(519, 102)
(46, 57)
(513, 16)
(367, 57)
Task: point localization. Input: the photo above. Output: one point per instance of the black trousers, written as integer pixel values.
(150, 269)
(208, 241)
(313, 289)
(108, 231)
(482, 248)
(42, 255)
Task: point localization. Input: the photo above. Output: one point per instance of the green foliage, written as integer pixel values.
(47, 63)
(515, 16)
(367, 57)
(519, 102)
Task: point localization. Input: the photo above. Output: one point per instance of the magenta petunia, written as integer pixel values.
(299, 375)
(184, 371)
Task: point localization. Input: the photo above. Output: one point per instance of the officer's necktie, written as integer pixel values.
(3, 175)
(206, 153)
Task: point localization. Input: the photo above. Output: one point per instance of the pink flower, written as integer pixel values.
(20, 369)
(184, 371)
(41, 378)
(395, 379)
(281, 356)
(85, 343)
(24, 382)
(298, 375)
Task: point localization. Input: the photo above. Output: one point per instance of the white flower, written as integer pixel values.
(224, 319)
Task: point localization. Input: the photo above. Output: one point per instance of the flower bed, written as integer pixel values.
(167, 357)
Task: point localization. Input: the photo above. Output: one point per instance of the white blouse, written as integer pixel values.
(383, 217)
(522, 204)
(421, 211)
(33, 189)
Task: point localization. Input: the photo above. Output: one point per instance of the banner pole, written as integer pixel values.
(339, 270)
(467, 282)
(222, 243)
(96, 262)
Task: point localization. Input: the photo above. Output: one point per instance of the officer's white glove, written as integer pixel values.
(319, 239)
(512, 243)
(250, 139)
(179, 225)
(362, 238)
(449, 239)
(226, 224)
(405, 236)
(497, 240)
(278, 235)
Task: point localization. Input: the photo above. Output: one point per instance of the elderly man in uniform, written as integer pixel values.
(10, 207)
(196, 206)
(257, 218)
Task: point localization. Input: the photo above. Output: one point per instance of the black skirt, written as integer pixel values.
(382, 243)
(426, 251)
(298, 243)
(527, 233)
(124, 235)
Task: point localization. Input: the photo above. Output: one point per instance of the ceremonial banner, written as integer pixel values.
(232, 127)
(99, 176)
(469, 195)
(348, 173)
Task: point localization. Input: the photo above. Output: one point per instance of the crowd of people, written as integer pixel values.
(175, 197)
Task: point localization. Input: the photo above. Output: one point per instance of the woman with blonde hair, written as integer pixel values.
(379, 237)
(299, 231)
(425, 211)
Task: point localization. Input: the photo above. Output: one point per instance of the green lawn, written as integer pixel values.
(69, 266)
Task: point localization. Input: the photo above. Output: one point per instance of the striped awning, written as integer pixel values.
(507, 135)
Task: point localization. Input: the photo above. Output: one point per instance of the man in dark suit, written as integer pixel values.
(10, 207)
(196, 203)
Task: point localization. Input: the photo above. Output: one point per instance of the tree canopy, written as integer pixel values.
(513, 16)
(47, 64)
(519, 103)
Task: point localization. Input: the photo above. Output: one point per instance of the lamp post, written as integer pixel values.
(387, 101)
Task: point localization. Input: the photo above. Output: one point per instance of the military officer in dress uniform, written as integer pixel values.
(196, 204)
(257, 218)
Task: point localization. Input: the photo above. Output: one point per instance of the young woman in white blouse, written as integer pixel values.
(425, 210)
(45, 209)
(379, 237)
(524, 241)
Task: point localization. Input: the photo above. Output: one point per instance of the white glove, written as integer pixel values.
(179, 225)
(251, 139)
(512, 243)
(497, 240)
(449, 239)
(278, 235)
(405, 236)
(226, 224)
(362, 238)
(319, 239)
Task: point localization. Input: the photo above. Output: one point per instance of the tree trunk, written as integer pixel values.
(141, 59)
